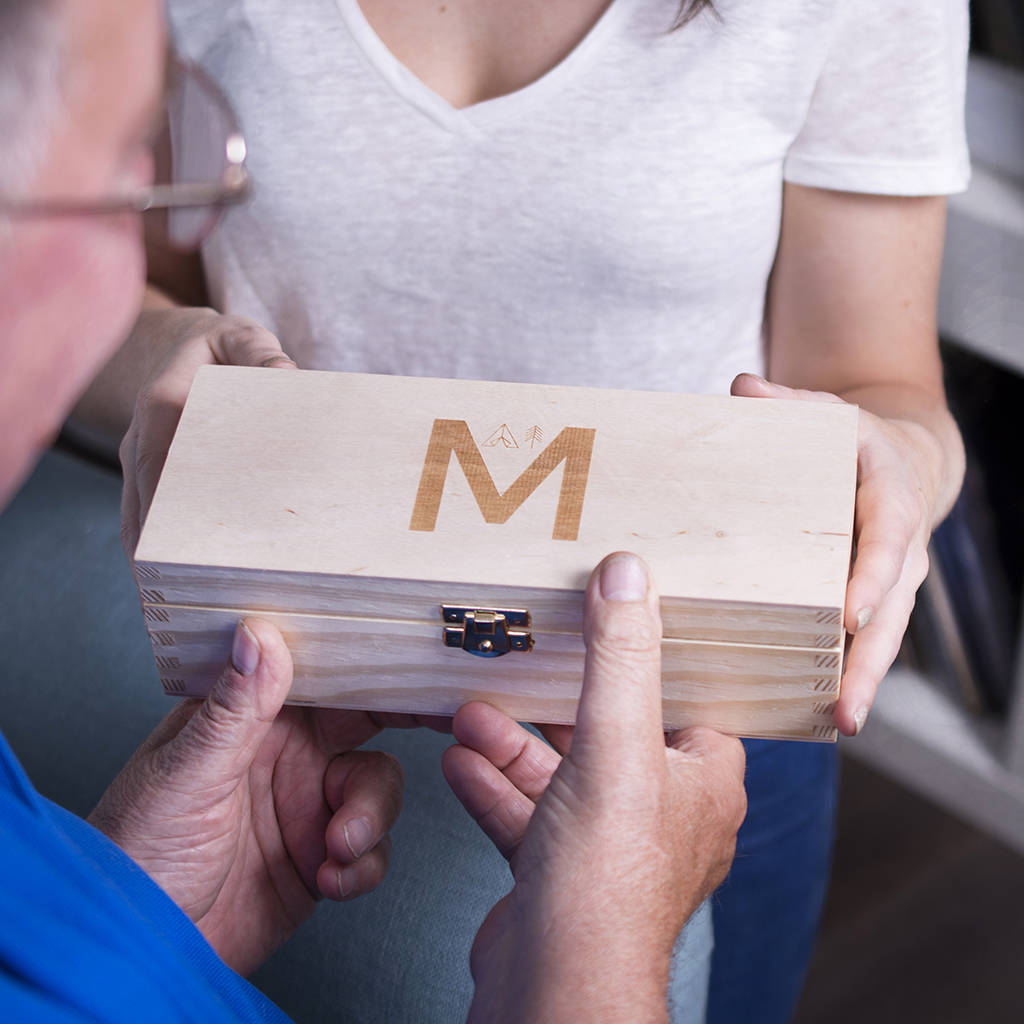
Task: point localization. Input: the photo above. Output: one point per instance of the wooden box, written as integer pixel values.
(349, 508)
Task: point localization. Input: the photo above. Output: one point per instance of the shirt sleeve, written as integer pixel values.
(887, 112)
(87, 935)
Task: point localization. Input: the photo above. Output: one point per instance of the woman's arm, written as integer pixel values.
(852, 313)
(105, 409)
(136, 400)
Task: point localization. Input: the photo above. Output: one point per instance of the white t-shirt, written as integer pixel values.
(614, 223)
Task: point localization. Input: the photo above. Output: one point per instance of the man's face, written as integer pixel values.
(70, 287)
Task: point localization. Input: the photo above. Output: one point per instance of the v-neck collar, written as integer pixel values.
(478, 116)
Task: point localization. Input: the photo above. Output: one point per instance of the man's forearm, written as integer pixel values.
(609, 991)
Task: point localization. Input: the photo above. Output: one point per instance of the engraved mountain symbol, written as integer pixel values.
(502, 436)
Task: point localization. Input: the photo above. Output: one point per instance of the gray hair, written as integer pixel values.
(32, 55)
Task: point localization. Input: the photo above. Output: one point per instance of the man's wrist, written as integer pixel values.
(565, 965)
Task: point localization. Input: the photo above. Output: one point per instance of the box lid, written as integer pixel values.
(360, 494)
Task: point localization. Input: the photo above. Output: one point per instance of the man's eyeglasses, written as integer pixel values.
(199, 161)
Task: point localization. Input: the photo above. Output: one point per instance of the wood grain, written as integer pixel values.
(348, 507)
(387, 665)
(736, 503)
(555, 611)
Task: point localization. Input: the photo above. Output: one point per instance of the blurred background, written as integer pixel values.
(925, 918)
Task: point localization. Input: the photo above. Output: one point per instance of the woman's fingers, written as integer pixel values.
(892, 526)
(241, 342)
(892, 519)
(144, 448)
(875, 646)
(750, 385)
(157, 420)
(191, 338)
(130, 517)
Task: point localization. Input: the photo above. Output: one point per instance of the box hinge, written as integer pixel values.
(486, 632)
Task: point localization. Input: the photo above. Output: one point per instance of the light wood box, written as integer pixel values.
(348, 508)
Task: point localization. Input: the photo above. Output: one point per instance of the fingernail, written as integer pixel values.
(358, 835)
(758, 378)
(859, 718)
(245, 650)
(864, 616)
(346, 881)
(624, 578)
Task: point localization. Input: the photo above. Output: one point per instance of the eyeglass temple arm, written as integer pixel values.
(153, 197)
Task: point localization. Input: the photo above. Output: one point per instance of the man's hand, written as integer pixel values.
(178, 341)
(613, 846)
(245, 814)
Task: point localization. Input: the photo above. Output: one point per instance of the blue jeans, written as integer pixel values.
(766, 913)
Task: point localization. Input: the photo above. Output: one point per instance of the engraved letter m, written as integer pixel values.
(573, 446)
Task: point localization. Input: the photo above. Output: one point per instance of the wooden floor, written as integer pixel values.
(925, 920)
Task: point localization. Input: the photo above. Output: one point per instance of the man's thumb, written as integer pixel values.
(222, 737)
(620, 707)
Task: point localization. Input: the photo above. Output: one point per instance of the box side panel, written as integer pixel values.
(551, 611)
(375, 664)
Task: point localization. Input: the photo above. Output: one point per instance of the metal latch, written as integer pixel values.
(486, 632)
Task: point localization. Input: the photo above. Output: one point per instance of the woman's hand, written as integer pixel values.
(178, 342)
(246, 813)
(852, 316)
(612, 846)
(893, 518)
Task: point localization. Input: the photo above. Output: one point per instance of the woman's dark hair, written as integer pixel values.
(689, 9)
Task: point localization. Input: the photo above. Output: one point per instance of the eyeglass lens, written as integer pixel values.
(192, 150)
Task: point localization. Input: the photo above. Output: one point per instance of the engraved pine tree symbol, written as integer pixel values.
(534, 436)
(502, 436)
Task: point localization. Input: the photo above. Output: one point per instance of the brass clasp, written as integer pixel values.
(486, 632)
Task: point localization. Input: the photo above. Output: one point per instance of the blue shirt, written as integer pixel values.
(87, 935)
